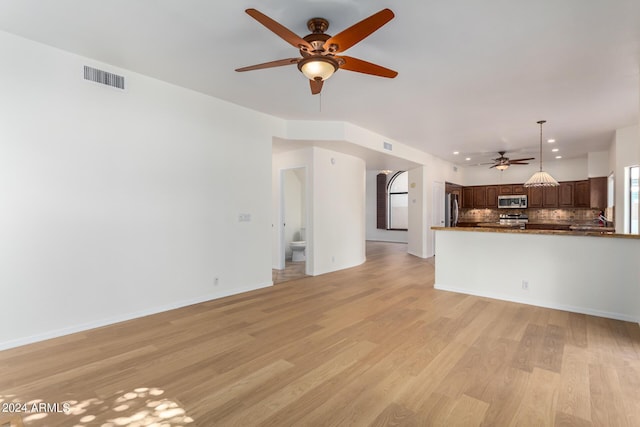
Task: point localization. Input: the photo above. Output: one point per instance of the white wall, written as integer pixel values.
(627, 153)
(116, 204)
(418, 228)
(338, 211)
(335, 210)
(598, 164)
(372, 231)
(561, 170)
(600, 277)
(437, 170)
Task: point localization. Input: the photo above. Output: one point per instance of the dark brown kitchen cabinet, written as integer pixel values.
(591, 193)
(518, 189)
(506, 189)
(582, 197)
(491, 198)
(550, 197)
(598, 192)
(467, 197)
(515, 189)
(479, 197)
(543, 197)
(565, 195)
(534, 199)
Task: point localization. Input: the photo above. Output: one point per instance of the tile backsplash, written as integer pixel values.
(535, 215)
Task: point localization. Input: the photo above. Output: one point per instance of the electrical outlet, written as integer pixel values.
(525, 285)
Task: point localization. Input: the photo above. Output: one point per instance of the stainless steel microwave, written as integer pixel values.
(512, 202)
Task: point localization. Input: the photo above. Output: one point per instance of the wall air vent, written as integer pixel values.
(388, 146)
(104, 77)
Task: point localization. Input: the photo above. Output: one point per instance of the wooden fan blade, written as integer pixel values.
(522, 160)
(278, 63)
(360, 66)
(519, 163)
(491, 167)
(284, 33)
(358, 32)
(316, 86)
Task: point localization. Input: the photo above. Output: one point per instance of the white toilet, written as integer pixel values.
(298, 247)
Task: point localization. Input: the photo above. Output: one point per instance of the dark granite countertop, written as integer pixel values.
(548, 232)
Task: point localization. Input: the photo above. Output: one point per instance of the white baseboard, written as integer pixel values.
(124, 317)
(545, 304)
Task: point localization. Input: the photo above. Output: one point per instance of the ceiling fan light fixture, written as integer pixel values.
(502, 167)
(541, 178)
(318, 67)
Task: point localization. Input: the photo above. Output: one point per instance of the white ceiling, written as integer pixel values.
(474, 76)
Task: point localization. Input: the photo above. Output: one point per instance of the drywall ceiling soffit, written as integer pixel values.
(375, 160)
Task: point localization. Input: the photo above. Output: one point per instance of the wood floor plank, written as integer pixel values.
(566, 420)
(603, 379)
(504, 395)
(529, 348)
(370, 345)
(537, 407)
(395, 415)
(295, 389)
(467, 412)
(574, 398)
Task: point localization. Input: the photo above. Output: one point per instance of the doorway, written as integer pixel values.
(293, 231)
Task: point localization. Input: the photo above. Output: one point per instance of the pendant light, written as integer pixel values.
(541, 178)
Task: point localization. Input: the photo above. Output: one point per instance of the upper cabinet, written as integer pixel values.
(506, 190)
(480, 197)
(518, 189)
(534, 197)
(598, 192)
(492, 196)
(542, 197)
(565, 194)
(591, 193)
(467, 197)
(515, 189)
(550, 197)
(583, 194)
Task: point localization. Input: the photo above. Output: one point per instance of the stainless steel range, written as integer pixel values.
(514, 219)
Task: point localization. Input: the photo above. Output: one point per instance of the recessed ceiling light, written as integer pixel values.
(468, 158)
(551, 141)
(455, 153)
(555, 150)
(558, 157)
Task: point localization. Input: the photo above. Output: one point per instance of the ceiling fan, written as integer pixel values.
(502, 162)
(318, 50)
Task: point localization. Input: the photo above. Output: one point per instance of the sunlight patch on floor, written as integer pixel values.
(143, 406)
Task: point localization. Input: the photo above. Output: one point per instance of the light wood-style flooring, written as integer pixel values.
(293, 270)
(374, 345)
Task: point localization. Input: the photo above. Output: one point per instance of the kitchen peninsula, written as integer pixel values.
(580, 271)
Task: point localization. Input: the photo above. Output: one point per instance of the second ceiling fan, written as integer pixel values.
(502, 162)
(318, 60)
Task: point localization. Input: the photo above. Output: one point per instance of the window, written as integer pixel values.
(634, 206)
(398, 194)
